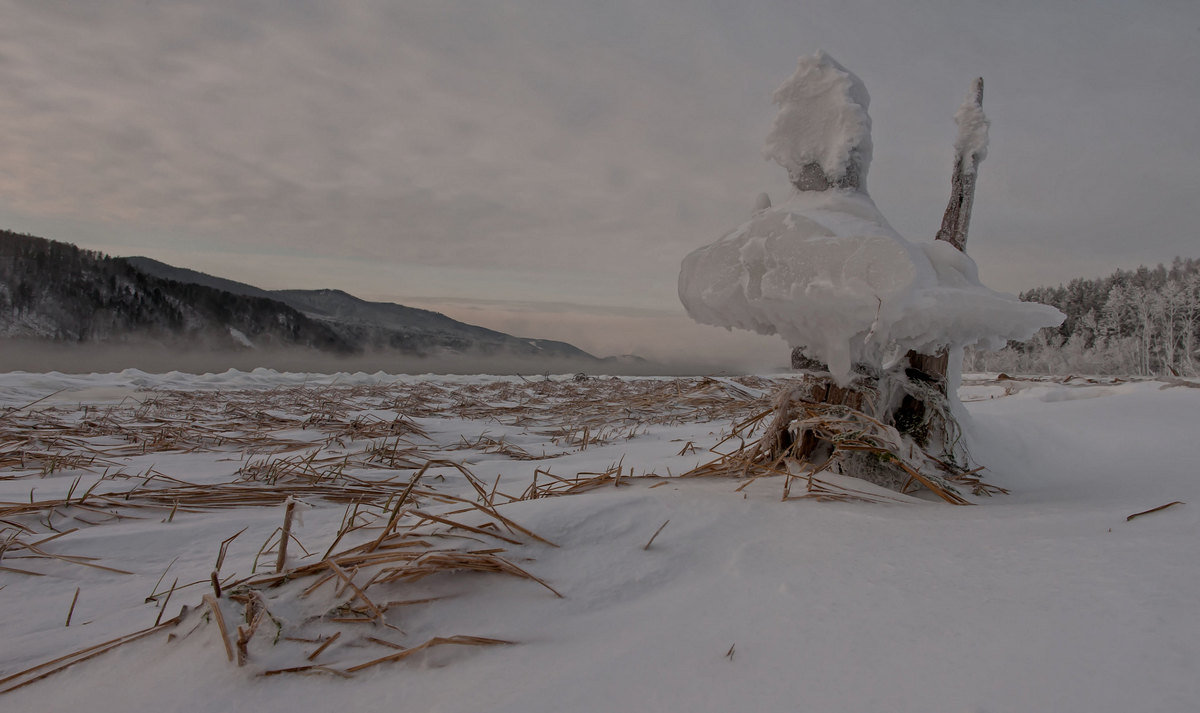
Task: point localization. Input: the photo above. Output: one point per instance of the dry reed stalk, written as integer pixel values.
(286, 534)
(823, 491)
(652, 537)
(255, 611)
(362, 596)
(63, 662)
(241, 645)
(44, 540)
(223, 549)
(384, 643)
(215, 607)
(410, 602)
(488, 508)
(15, 410)
(458, 640)
(306, 669)
(84, 561)
(430, 563)
(460, 526)
(1160, 507)
(391, 524)
(944, 493)
(327, 643)
(317, 584)
(72, 609)
(166, 601)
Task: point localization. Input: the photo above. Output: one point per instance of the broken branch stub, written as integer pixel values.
(967, 157)
(969, 150)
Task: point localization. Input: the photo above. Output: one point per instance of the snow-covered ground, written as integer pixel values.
(1044, 599)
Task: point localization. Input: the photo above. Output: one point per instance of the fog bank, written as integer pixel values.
(34, 356)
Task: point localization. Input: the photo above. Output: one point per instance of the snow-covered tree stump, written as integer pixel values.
(913, 396)
(876, 320)
(913, 404)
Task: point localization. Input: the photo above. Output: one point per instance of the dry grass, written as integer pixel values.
(359, 446)
(350, 594)
(364, 448)
(854, 440)
(327, 443)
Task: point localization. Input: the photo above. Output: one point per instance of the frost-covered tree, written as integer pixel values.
(1138, 322)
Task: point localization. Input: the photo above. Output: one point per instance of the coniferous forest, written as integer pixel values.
(1139, 322)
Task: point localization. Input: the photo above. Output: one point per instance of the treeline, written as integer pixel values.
(1138, 322)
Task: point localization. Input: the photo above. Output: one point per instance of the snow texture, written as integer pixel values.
(1046, 599)
(825, 270)
(972, 143)
(822, 119)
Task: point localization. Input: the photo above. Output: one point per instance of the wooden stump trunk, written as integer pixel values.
(913, 398)
(904, 399)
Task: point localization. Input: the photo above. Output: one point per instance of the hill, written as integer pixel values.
(378, 324)
(56, 293)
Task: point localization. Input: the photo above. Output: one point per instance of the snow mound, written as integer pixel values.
(822, 120)
(825, 271)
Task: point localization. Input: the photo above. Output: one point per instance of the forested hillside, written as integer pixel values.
(1138, 322)
(57, 291)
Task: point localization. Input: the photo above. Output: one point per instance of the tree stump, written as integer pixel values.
(912, 397)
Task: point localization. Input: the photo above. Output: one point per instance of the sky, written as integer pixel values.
(542, 166)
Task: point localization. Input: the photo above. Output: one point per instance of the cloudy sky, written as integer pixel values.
(541, 166)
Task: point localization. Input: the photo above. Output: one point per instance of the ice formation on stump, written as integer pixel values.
(824, 270)
(970, 148)
(883, 315)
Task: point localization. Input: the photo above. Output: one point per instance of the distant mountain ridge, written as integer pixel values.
(382, 324)
(56, 292)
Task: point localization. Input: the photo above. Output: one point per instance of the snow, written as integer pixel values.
(825, 270)
(972, 142)
(763, 202)
(1047, 598)
(240, 337)
(822, 119)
